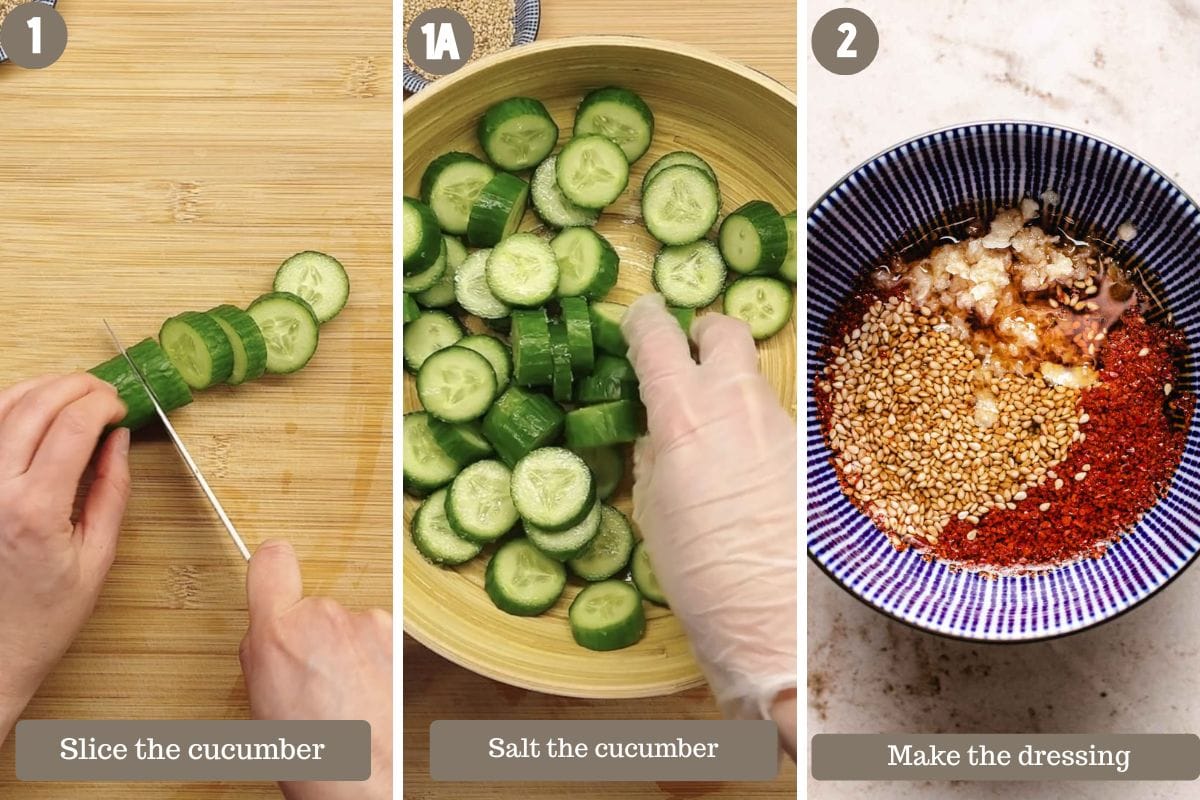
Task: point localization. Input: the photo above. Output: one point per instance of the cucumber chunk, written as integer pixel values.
(643, 576)
(521, 580)
(441, 294)
(451, 185)
(522, 271)
(560, 358)
(517, 133)
(472, 290)
(619, 115)
(578, 323)
(520, 422)
(199, 349)
(787, 269)
(496, 352)
(479, 504)
(498, 210)
(592, 171)
(754, 239)
(604, 424)
(608, 468)
(607, 616)
(552, 488)
(435, 539)
(160, 374)
(426, 465)
(411, 309)
(430, 332)
(608, 553)
(565, 545)
(689, 275)
(249, 346)
(684, 316)
(456, 384)
(290, 328)
(422, 237)
(680, 205)
(679, 157)
(462, 441)
(606, 327)
(533, 364)
(588, 265)
(552, 205)
(765, 304)
(321, 280)
(428, 278)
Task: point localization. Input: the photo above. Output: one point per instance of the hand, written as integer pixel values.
(714, 495)
(309, 658)
(51, 569)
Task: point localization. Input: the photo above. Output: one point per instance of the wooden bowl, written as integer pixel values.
(744, 125)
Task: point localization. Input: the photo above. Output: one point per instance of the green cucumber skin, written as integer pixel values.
(441, 294)
(643, 576)
(533, 363)
(315, 330)
(216, 343)
(429, 183)
(497, 594)
(411, 309)
(603, 424)
(787, 269)
(505, 110)
(685, 317)
(315, 276)
(560, 355)
(606, 276)
(622, 633)
(520, 422)
(773, 237)
(138, 407)
(458, 440)
(431, 237)
(242, 332)
(606, 328)
(589, 564)
(430, 506)
(624, 97)
(428, 278)
(505, 195)
(593, 389)
(607, 465)
(168, 385)
(578, 323)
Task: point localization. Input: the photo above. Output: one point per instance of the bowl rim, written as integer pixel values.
(825, 196)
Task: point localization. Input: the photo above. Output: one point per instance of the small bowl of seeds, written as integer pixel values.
(497, 25)
(6, 6)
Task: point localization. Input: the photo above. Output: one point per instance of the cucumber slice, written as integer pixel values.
(565, 545)
(754, 239)
(605, 423)
(689, 275)
(441, 294)
(522, 581)
(426, 465)
(595, 388)
(607, 465)
(435, 539)
(532, 363)
(422, 237)
(411, 310)
(160, 374)
(462, 441)
(587, 263)
(684, 316)
(290, 328)
(199, 349)
(519, 422)
(451, 185)
(607, 616)
(472, 291)
(522, 271)
(456, 385)
(480, 504)
(249, 346)
(552, 488)
(592, 171)
(606, 327)
(608, 553)
(430, 332)
(619, 115)
(643, 576)
(679, 157)
(497, 212)
(787, 269)
(765, 304)
(552, 205)
(427, 279)
(321, 280)
(560, 358)
(680, 205)
(517, 133)
(496, 352)
(578, 322)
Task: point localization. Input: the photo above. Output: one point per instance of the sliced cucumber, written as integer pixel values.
(523, 581)
(679, 157)
(497, 212)
(429, 333)
(159, 373)
(451, 185)
(422, 237)
(619, 115)
(684, 316)
(754, 239)
(411, 310)
(472, 291)
(588, 265)
(552, 488)
(578, 323)
(441, 294)
(480, 504)
(602, 388)
(199, 349)
(519, 422)
(320, 279)
(533, 364)
(608, 553)
(680, 205)
(517, 133)
(290, 328)
(604, 424)
(552, 205)
(606, 327)
(496, 352)
(462, 441)
(592, 171)
(765, 304)
(560, 358)
(565, 545)
(607, 465)
(428, 278)
(689, 275)
(522, 271)
(435, 539)
(456, 385)
(607, 616)
(787, 269)
(426, 465)
(643, 576)
(249, 346)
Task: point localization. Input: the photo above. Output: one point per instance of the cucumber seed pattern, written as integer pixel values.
(591, 171)
(280, 333)
(309, 286)
(523, 141)
(681, 205)
(463, 194)
(613, 129)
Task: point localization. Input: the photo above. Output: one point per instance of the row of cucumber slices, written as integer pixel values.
(276, 334)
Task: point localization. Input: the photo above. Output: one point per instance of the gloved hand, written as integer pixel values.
(714, 496)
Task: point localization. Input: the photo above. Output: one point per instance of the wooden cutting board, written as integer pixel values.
(174, 156)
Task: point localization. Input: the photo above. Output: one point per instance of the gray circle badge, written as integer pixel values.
(440, 41)
(845, 41)
(33, 35)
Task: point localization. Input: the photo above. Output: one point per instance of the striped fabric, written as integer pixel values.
(527, 19)
(3, 57)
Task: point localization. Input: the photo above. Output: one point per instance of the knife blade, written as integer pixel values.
(182, 448)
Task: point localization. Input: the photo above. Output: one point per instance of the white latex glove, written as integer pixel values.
(714, 495)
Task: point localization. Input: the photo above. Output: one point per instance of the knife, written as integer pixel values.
(183, 451)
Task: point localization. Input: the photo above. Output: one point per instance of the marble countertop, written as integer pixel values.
(1126, 72)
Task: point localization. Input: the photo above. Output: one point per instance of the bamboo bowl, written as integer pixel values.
(744, 125)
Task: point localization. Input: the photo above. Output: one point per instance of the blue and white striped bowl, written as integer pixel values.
(527, 19)
(4, 57)
(911, 190)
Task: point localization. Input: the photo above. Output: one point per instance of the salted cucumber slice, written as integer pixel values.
(199, 349)
(321, 280)
(290, 328)
(249, 346)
